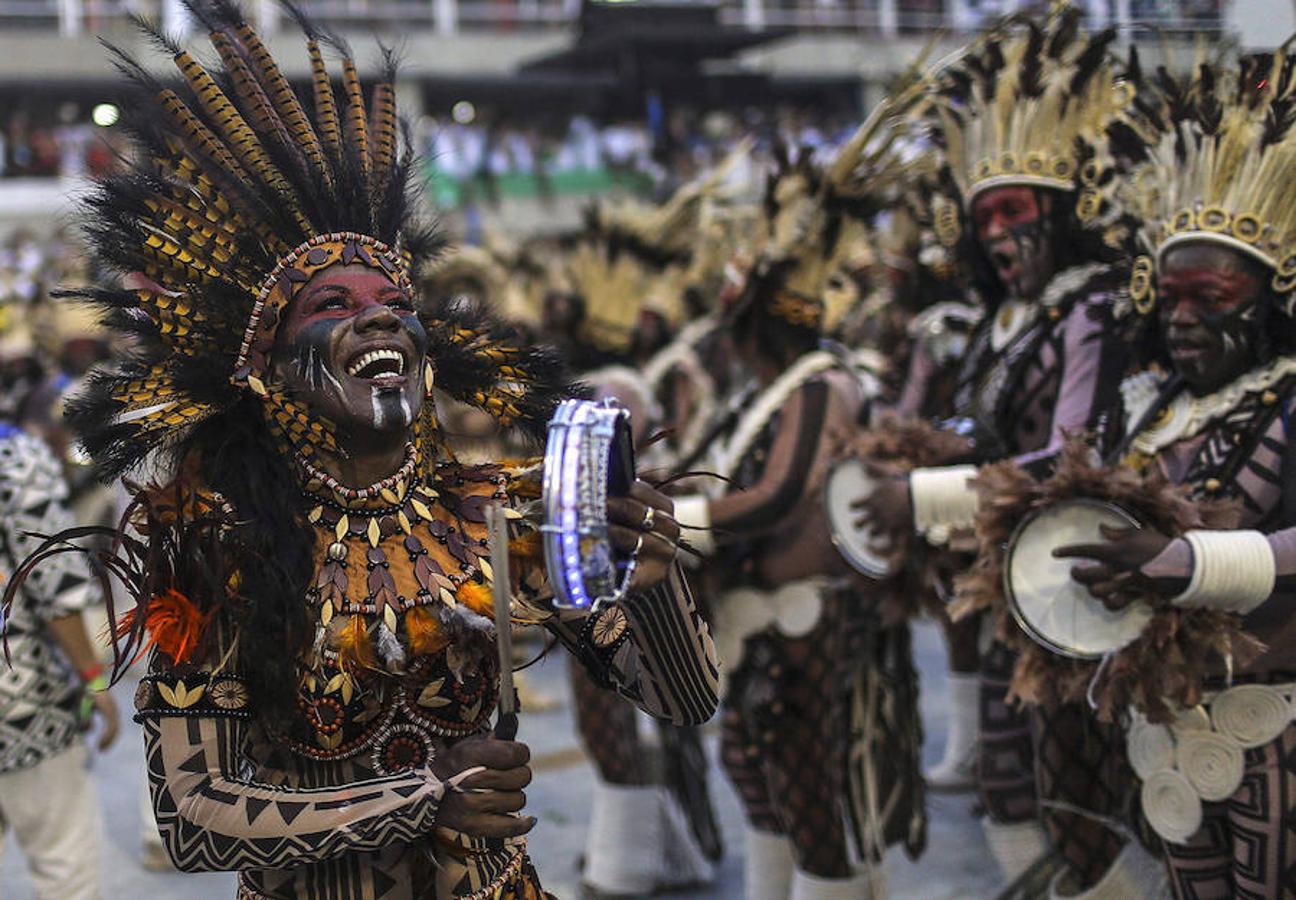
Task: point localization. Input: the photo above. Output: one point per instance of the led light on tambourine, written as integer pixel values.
(589, 456)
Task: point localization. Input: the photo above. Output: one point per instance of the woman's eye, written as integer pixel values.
(332, 303)
(401, 303)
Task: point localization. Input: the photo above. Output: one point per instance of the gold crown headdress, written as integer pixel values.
(1220, 170)
(236, 195)
(1023, 101)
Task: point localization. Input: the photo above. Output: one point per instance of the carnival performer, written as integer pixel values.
(652, 827)
(921, 321)
(53, 681)
(313, 582)
(1021, 120)
(791, 638)
(1220, 228)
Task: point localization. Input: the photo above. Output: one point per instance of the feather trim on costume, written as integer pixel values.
(1166, 666)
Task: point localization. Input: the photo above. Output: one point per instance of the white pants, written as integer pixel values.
(54, 815)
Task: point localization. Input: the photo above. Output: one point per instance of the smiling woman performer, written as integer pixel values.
(313, 582)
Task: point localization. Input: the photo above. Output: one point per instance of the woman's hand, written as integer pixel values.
(643, 524)
(480, 804)
(1117, 576)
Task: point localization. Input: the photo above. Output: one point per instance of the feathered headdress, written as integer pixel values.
(237, 194)
(1025, 106)
(1220, 168)
(807, 206)
(637, 258)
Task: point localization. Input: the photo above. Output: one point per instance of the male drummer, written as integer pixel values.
(1220, 423)
(795, 644)
(1043, 361)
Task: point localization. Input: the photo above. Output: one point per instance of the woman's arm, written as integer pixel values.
(663, 660)
(213, 817)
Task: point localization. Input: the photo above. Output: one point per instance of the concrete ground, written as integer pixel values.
(956, 864)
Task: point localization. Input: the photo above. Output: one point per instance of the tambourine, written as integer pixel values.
(1053, 608)
(847, 482)
(589, 456)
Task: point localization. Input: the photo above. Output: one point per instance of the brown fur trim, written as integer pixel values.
(1168, 663)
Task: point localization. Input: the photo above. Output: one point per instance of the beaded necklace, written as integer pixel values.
(361, 525)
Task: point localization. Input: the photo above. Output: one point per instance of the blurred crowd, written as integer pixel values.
(56, 141)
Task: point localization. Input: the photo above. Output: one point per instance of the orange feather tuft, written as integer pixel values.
(423, 632)
(354, 648)
(478, 598)
(174, 624)
(526, 546)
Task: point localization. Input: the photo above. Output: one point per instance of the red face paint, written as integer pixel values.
(998, 210)
(1208, 298)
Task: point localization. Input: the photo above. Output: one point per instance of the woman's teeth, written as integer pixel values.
(376, 363)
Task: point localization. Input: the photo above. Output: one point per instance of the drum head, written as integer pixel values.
(1048, 604)
(847, 482)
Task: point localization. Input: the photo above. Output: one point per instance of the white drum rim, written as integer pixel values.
(1010, 596)
(848, 551)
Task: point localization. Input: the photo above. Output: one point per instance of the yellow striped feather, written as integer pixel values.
(355, 113)
(286, 102)
(326, 113)
(384, 139)
(238, 134)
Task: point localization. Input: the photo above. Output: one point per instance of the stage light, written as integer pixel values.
(463, 112)
(105, 115)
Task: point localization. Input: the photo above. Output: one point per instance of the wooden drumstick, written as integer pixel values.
(506, 725)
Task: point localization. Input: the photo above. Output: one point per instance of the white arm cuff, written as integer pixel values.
(1232, 570)
(942, 500)
(693, 513)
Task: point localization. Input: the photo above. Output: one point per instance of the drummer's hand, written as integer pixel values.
(1117, 577)
(657, 544)
(889, 509)
(480, 805)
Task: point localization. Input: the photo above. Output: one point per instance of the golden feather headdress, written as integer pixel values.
(1023, 101)
(235, 197)
(638, 258)
(807, 205)
(1220, 170)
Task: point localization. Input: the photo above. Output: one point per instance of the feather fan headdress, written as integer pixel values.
(1220, 169)
(237, 194)
(1022, 104)
(807, 205)
(636, 258)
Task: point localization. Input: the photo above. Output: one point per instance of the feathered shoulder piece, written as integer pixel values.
(1025, 105)
(238, 192)
(1219, 167)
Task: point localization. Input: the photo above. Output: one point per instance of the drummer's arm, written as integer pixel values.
(943, 497)
(913, 394)
(1093, 360)
(786, 477)
(666, 663)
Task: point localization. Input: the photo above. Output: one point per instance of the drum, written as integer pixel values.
(589, 456)
(849, 481)
(1049, 605)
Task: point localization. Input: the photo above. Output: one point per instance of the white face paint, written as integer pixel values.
(379, 414)
(386, 401)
